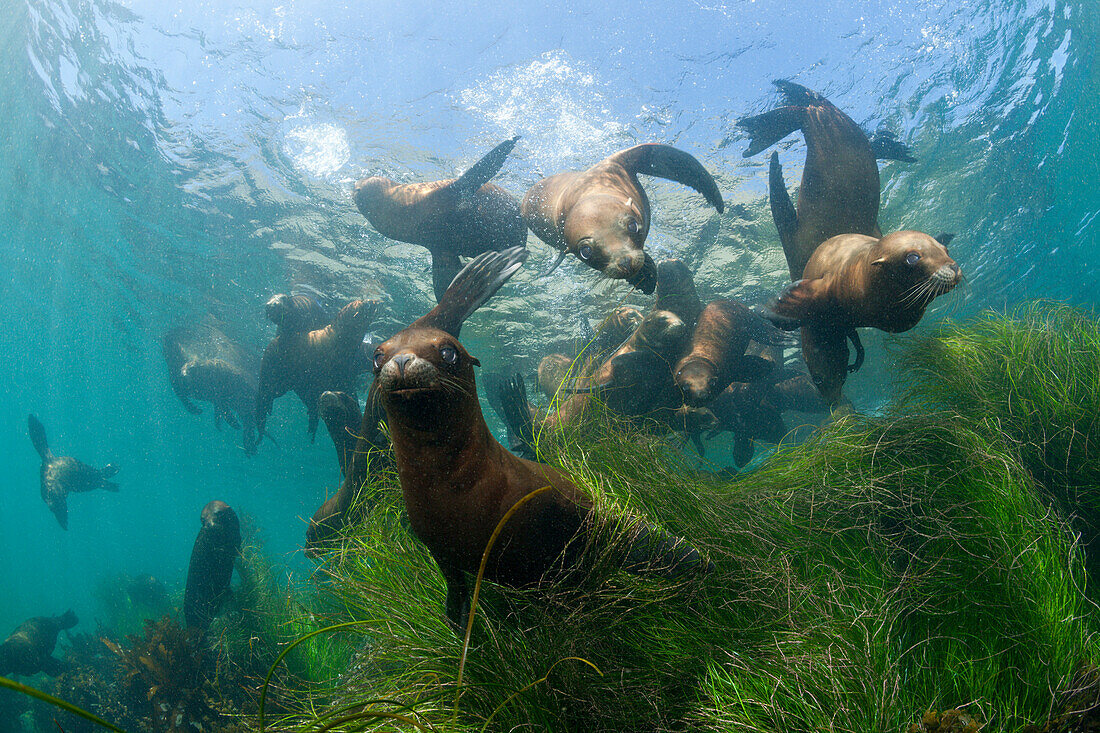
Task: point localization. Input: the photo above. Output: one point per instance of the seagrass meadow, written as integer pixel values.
(922, 569)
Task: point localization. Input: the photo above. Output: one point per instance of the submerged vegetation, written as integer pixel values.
(923, 570)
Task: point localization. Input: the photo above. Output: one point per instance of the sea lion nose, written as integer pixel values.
(401, 360)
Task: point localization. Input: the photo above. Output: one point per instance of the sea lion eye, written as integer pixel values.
(448, 354)
(912, 258)
(584, 252)
(379, 357)
(633, 226)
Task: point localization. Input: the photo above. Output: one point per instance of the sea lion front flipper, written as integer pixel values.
(38, 438)
(795, 302)
(483, 171)
(230, 419)
(516, 414)
(697, 441)
(783, 211)
(646, 278)
(886, 146)
(853, 336)
(475, 284)
(554, 265)
(59, 505)
(665, 161)
(458, 598)
(445, 266)
(496, 386)
(743, 450)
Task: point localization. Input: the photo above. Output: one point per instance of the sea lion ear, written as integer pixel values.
(475, 284)
(879, 262)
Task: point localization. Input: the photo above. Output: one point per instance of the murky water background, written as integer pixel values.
(165, 162)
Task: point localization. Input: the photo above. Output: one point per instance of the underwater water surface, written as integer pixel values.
(168, 163)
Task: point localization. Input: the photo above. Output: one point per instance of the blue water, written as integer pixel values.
(165, 162)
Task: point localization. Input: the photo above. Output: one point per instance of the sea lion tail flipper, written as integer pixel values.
(445, 265)
(783, 211)
(38, 437)
(886, 146)
(475, 284)
(794, 303)
(853, 336)
(516, 414)
(553, 266)
(483, 171)
(665, 161)
(945, 238)
(646, 278)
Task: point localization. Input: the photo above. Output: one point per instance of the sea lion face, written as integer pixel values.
(698, 379)
(661, 331)
(607, 234)
(355, 316)
(917, 267)
(336, 405)
(369, 192)
(422, 363)
(552, 370)
(218, 514)
(277, 308)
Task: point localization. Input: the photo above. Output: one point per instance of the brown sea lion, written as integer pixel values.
(341, 414)
(211, 568)
(855, 281)
(839, 193)
(312, 362)
(462, 216)
(717, 355)
(553, 369)
(29, 649)
(615, 329)
(601, 215)
(746, 411)
(228, 387)
(291, 313)
(458, 481)
(64, 475)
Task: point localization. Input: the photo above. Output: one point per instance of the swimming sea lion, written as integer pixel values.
(312, 362)
(457, 480)
(855, 281)
(64, 475)
(553, 368)
(462, 216)
(717, 356)
(341, 414)
(296, 312)
(676, 292)
(601, 215)
(29, 649)
(840, 183)
(211, 568)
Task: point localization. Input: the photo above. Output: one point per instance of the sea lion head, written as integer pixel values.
(607, 233)
(220, 517)
(355, 317)
(369, 192)
(625, 319)
(422, 374)
(917, 267)
(662, 331)
(336, 406)
(697, 378)
(278, 308)
(553, 369)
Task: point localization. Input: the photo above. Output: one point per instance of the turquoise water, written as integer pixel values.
(163, 163)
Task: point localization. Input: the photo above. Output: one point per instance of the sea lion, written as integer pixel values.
(553, 369)
(230, 388)
(64, 475)
(361, 445)
(297, 312)
(855, 281)
(839, 193)
(746, 411)
(717, 356)
(211, 568)
(462, 216)
(458, 481)
(601, 215)
(29, 649)
(312, 362)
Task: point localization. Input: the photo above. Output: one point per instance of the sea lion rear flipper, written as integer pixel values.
(665, 161)
(853, 336)
(483, 171)
(38, 438)
(795, 303)
(886, 146)
(475, 284)
(783, 211)
(646, 278)
(445, 266)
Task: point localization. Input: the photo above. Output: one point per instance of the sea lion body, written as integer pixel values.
(602, 215)
(312, 362)
(717, 356)
(29, 649)
(855, 281)
(456, 217)
(211, 568)
(457, 480)
(839, 193)
(60, 476)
